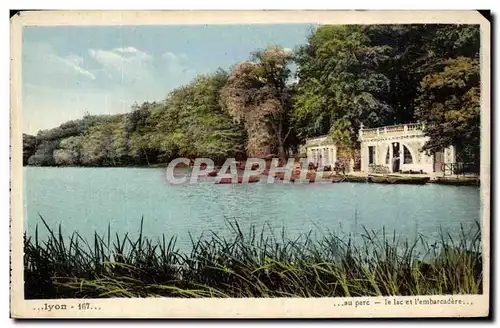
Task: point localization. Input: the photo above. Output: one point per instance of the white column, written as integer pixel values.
(364, 157)
(381, 154)
(391, 155)
(387, 152)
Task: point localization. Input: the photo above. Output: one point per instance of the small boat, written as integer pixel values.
(416, 180)
(351, 178)
(397, 179)
(378, 179)
(457, 181)
(240, 180)
(338, 178)
(213, 173)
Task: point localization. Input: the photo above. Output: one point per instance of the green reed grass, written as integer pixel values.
(253, 264)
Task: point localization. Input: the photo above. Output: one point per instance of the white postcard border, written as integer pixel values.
(472, 305)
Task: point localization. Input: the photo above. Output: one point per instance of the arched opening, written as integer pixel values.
(388, 156)
(407, 158)
(395, 159)
(371, 155)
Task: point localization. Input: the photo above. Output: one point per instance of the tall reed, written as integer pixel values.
(251, 264)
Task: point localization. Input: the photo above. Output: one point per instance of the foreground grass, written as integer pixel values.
(250, 265)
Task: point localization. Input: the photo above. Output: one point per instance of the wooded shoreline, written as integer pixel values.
(345, 77)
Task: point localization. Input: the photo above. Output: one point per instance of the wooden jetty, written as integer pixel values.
(457, 181)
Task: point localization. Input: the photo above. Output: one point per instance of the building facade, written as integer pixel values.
(321, 151)
(397, 148)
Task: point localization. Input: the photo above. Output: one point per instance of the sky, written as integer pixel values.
(68, 71)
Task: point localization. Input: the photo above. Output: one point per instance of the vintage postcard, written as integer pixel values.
(264, 164)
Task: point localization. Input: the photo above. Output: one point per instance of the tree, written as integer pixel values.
(44, 153)
(106, 143)
(448, 98)
(69, 151)
(449, 103)
(192, 123)
(213, 132)
(29, 147)
(417, 50)
(341, 81)
(380, 75)
(258, 95)
(406, 65)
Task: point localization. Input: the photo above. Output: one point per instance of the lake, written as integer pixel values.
(88, 199)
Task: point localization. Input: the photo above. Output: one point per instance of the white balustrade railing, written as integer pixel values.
(388, 130)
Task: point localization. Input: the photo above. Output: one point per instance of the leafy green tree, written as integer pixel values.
(417, 50)
(379, 75)
(44, 153)
(138, 129)
(29, 147)
(448, 98)
(191, 123)
(212, 130)
(408, 56)
(341, 81)
(69, 151)
(449, 103)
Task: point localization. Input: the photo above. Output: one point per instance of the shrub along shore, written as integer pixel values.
(252, 264)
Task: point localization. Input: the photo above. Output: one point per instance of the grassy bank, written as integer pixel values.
(250, 265)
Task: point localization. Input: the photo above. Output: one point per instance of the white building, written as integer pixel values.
(380, 145)
(321, 151)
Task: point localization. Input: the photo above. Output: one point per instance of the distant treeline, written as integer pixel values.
(346, 76)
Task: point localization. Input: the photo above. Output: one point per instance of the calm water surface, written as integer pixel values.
(88, 199)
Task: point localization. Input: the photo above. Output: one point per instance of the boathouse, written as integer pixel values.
(396, 148)
(321, 151)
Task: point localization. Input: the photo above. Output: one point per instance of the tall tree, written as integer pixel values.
(258, 94)
(341, 79)
(192, 123)
(29, 147)
(449, 103)
(449, 94)
(69, 151)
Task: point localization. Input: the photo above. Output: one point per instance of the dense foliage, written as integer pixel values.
(390, 74)
(189, 123)
(346, 77)
(258, 95)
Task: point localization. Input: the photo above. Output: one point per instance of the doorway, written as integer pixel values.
(438, 161)
(396, 157)
(371, 155)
